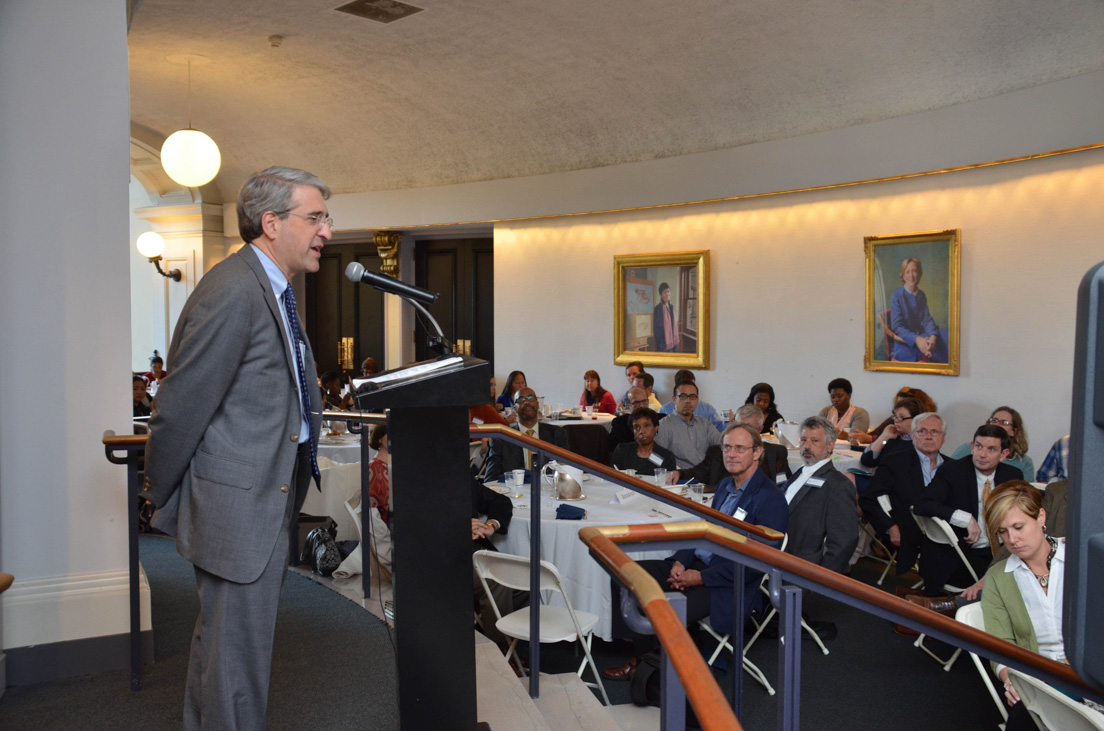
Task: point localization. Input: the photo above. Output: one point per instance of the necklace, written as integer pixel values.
(1044, 579)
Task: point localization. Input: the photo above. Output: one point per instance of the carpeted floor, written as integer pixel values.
(333, 664)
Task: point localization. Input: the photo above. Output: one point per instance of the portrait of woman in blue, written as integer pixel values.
(917, 338)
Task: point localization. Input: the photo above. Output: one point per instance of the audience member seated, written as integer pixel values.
(379, 471)
(505, 456)
(1022, 601)
(1009, 419)
(643, 455)
(824, 519)
(903, 477)
(843, 415)
(332, 397)
(703, 409)
(141, 398)
(773, 463)
(647, 382)
(686, 434)
(706, 579)
(156, 372)
(926, 406)
(957, 494)
(484, 414)
(1055, 465)
(596, 396)
(369, 368)
(897, 437)
(491, 514)
(632, 370)
(762, 395)
(514, 383)
(621, 428)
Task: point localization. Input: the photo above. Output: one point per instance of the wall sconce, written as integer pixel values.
(152, 246)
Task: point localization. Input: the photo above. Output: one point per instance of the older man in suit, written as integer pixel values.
(824, 520)
(232, 444)
(504, 456)
(902, 477)
(957, 495)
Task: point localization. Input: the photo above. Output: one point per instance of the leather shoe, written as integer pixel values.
(945, 605)
(621, 672)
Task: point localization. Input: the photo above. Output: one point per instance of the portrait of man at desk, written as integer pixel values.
(232, 444)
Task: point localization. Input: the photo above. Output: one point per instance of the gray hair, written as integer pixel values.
(929, 415)
(819, 422)
(751, 412)
(756, 438)
(271, 190)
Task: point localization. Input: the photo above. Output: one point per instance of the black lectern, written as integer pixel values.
(431, 482)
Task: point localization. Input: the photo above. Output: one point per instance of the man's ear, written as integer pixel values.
(270, 223)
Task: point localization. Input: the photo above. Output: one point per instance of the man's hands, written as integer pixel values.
(895, 535)
(481, 529)
(972, 591)
(973, 531)
(682, 578)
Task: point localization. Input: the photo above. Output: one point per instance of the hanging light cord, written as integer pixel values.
(189, 94)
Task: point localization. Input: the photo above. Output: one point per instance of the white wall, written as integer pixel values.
(788, 290)
(65, 330)
(147, 329)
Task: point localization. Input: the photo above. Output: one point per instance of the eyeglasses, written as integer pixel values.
(686, 396)
(527, 398)
(641, 402)
(314, 219)
(900, 418)
(928, 432)
(738, 449)
(995, 420)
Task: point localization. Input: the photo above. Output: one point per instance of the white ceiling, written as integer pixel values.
(467, 91)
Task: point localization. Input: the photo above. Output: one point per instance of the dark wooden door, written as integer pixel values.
(337, 308)
(462, 271)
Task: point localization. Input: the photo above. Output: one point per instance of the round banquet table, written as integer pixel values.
(587, 436)
(843, 458)
(587, 584)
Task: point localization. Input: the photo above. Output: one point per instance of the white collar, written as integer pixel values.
(814, 467)
(1015, 563)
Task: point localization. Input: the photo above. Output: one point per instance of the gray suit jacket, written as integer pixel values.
(824, 521)
(221, 456)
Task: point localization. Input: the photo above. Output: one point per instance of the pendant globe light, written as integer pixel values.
(188, 156)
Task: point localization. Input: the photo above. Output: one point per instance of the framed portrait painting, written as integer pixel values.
(661, 309)
(912, 302)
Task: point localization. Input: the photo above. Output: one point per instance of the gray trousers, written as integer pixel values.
(231, 654)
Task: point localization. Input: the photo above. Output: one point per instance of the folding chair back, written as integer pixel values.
(938, 530)
(971, 614)
(1052, 709)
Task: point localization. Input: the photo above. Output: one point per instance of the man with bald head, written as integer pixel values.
(504, 456)
(621, 428)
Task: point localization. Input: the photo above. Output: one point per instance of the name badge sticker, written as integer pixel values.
(815, 481)
(655, 459)
(740, 514)
(477, 420)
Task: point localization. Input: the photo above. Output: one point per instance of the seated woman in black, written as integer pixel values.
(643, 455)
(762, 395)
(895, 437)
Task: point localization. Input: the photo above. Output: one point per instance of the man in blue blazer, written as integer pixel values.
(232, 441)
(706, 579)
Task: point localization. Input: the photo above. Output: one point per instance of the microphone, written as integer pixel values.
(356, 272)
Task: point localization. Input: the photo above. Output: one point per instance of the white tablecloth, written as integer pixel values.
(842, 457)
(587, 584)
(603, 419)
(343, 449)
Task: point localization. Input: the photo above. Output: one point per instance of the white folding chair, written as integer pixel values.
(971, 615)
(557, 624)
(1051, 709)
(938, 530)
(760, 626)
(887, 506)
(724, 643)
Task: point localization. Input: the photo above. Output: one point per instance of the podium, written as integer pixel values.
(427, 432)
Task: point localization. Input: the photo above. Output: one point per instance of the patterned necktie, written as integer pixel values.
(988, 488)
(528, 454)
(304, 399)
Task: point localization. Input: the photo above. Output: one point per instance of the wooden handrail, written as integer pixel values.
(124, 440)
(701, 688)
(597, 468)
(658, 532)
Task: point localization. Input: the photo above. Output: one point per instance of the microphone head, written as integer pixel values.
(354, 271)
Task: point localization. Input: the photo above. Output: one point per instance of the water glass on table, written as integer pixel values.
(697, 493)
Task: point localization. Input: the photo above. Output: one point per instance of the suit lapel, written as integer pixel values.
(250, 256)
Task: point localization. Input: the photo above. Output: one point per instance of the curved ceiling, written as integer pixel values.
(467, 91)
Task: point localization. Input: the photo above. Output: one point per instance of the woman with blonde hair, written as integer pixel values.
(1022, 600)
(1009, 419)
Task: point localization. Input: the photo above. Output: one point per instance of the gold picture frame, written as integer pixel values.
(912, 302)
(638, 304)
